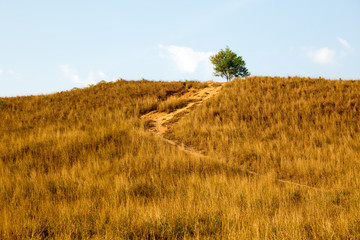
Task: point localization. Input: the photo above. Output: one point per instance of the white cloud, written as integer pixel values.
(344, 43)
(186, 59)
(322, 56)
(72, 74)
(10, 74)
(101, 74)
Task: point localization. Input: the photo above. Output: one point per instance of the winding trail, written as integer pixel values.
(162, 122)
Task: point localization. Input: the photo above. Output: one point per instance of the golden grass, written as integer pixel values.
(306, 129)
(80, 164)
(174, 103)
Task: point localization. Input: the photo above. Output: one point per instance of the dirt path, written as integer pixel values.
(162, 120)
(162, 123)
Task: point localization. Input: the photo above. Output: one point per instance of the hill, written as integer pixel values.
(264, 157)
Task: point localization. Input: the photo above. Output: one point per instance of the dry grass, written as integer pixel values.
(174, 103)
(303, 130)
(80, 164)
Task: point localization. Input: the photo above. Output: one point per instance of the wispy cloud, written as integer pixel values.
(101, 74)
(344, 43)
(327, 56)
(9, 74)
(73, 75)
(322, 56)
(186, 59)
(70, 73)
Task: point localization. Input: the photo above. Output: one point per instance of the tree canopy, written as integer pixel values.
(227, 64)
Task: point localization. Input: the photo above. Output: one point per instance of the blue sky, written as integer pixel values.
(49, 46)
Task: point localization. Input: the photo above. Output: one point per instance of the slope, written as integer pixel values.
(92, 163)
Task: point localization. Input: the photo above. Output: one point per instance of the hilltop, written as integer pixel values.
(265, 157)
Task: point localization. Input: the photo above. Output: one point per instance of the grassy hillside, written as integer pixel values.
(81, 164)
(303, 130)
(307, 130)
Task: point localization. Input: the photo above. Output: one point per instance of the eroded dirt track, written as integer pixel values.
(162, 120)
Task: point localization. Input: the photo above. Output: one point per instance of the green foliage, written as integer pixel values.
(228, 64)
(2, 104)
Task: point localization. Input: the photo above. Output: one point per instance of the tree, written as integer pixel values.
(228, 64)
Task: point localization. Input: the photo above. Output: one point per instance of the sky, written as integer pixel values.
(49, 46)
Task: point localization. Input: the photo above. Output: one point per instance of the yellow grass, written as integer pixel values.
(80, 164)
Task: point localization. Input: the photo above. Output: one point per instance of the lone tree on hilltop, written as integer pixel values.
(227, 64)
